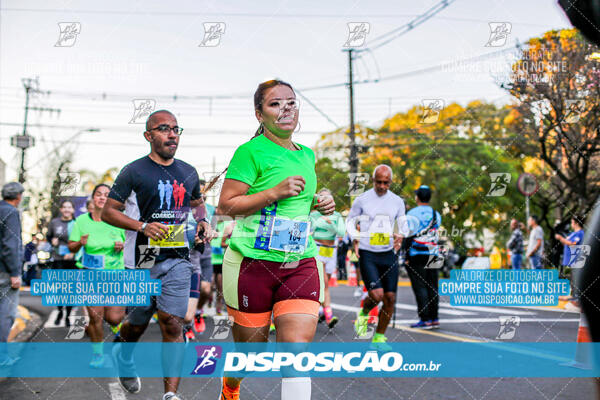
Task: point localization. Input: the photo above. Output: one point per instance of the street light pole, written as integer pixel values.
(352, 135)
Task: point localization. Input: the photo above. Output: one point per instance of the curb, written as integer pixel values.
(25, 325)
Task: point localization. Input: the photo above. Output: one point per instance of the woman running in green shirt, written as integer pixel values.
(102, 249)
(269, 266)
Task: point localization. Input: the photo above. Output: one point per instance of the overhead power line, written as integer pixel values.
(396, 33)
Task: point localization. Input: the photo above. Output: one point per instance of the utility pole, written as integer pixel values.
(24, 140)
(351, 134)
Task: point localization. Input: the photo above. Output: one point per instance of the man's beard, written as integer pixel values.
(164, 152)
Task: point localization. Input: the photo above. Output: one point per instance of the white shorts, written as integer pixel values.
(330, 261)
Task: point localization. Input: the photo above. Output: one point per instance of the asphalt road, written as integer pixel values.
(457, 324)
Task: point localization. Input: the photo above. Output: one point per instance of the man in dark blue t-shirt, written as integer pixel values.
(157, 193)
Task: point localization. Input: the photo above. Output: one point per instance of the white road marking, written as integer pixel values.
(50, 320)
(409, 307)
(493, 310)
(343, 307)
(487, 320)
(116, 391)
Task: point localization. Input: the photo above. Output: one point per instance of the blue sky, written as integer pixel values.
(150, 50)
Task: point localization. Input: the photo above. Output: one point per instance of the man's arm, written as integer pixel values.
(10, 251)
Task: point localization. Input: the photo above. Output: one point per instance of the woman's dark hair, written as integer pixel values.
(259, 97)
(98, 186)
(62, 203)
(578, 220)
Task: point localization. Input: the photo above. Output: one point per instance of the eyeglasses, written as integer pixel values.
(164, 128)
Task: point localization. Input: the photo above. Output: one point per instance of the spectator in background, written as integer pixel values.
(535, 245)
(89, 205)
(422, 247)
(342, 253)
(11, 262)
(571, 254)
(58, 236)
(30, 260)
(515, 245)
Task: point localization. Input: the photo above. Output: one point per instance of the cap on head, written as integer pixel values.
(423, 193)
(12, 190)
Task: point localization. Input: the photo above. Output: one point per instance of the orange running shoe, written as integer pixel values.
(199, 324)
(228, 393)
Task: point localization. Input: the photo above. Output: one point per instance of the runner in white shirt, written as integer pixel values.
(380, 213)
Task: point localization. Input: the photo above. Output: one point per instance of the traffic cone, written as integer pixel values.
(333, 280)
(582, 353)
(352, 276)
(374, 313)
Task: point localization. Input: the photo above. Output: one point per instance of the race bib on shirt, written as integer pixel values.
(289, 236)
(175, 238)
(92, 261)
(379, 239)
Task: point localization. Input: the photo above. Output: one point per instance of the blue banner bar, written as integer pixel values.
(356, 359)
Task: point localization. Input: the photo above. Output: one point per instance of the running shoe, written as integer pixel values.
(422, 325)
(116, 329)
(154, 317)
(321, 318)
(435, 323)
(58, 317)
(199, 324)
(360, 325)
(332, 322)
(128, 377)
(357, 292)
(97, 361)
(228, 393)
(272, 328)
(171, 396)
(379, 343)
(188, 334)
(9, 361)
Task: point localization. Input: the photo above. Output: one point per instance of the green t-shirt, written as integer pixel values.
(215, 244)
(263, 164)
(327, 227)
(99, 252)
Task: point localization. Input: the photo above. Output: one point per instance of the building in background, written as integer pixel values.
(2, 172)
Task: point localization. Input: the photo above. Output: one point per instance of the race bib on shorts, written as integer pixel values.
(289, 236)
(379, 239)
(326, 251)
(92, 261)
(175, 238)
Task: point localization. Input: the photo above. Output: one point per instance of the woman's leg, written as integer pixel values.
(244, 334)
(295, 328)
(114, 315)
(94, 329)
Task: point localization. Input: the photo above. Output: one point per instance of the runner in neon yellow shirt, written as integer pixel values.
(269, 266)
